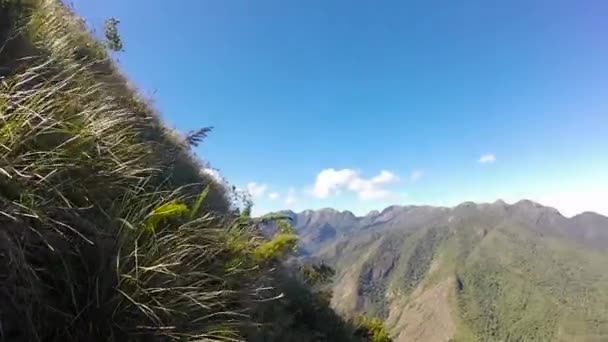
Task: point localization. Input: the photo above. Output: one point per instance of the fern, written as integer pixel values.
(195, 137)
(165, 212)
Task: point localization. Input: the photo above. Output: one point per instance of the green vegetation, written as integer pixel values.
(489, 272)
(517, 287)
(111, 231)
(305, 309)
(374, 278)
(372, 329)
(421, 256)
(113, 41)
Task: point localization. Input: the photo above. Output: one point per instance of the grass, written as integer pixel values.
(111, 231)
(54, 33)
(79, 187)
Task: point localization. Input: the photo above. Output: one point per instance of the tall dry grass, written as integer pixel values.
(86, 169)
(109, 230)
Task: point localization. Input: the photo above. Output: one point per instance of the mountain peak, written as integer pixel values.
(373, 213)
(467, 204)
(391, 208)
(587, 214)
(499, 202)
(527, 203)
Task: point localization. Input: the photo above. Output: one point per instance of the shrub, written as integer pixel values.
(371, 329)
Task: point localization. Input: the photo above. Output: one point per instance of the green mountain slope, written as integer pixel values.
(476, 272)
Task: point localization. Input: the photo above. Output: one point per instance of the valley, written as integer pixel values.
(475, 272)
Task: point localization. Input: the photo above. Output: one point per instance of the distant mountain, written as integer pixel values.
(475, 272)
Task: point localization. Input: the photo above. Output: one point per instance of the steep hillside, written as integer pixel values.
(110, 229)
(475, 272)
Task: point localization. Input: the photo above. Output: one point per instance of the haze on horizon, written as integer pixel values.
(358, 106)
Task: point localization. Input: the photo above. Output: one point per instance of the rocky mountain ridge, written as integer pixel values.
(318, 227)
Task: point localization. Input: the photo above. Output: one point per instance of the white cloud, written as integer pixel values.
(416, 175)
(385, 177)
(255, 189)
(487, 159)
(291, 198)
(330, 182)
(273, 195)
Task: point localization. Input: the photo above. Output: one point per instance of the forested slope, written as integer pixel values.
(475, 272)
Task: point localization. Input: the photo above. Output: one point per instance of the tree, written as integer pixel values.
(113, 41)
(315, 275)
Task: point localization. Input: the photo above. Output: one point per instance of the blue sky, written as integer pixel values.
(361, 104)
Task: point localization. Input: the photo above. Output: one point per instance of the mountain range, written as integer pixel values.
(474, 272)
